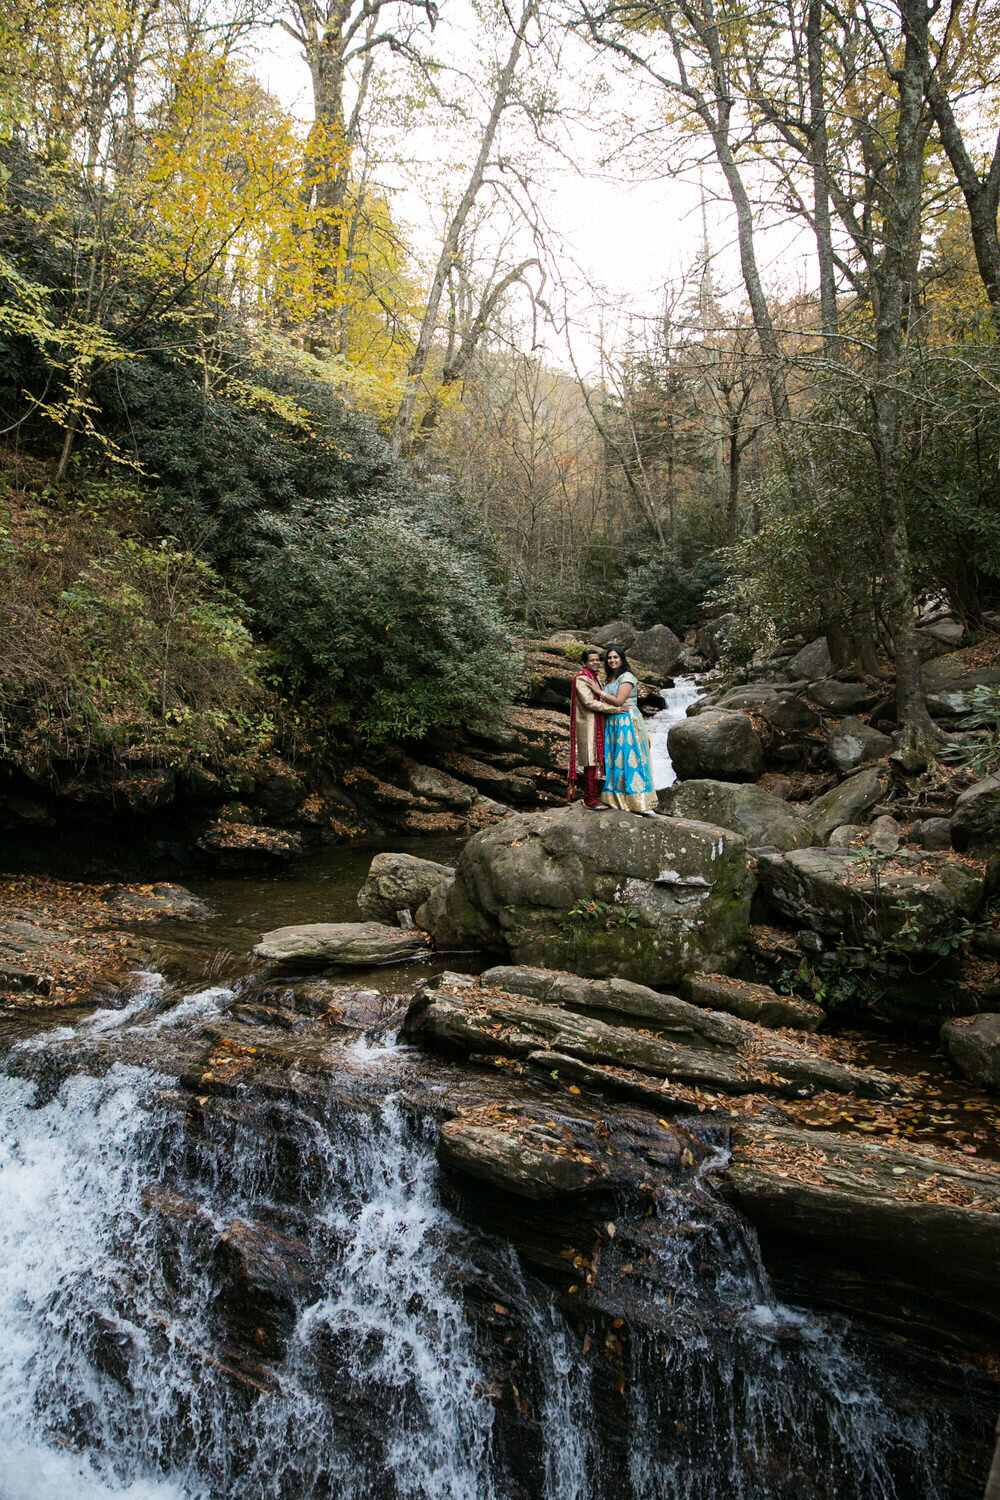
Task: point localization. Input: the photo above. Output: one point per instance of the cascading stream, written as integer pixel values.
(676, 702)
(409, 1355)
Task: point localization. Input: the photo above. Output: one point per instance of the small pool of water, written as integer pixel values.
(323, 887)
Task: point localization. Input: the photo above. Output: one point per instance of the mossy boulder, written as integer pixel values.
(643, 899)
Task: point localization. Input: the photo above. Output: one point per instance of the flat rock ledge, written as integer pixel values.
(353, 943)
(545, 1154)
(753, 1002)
(458, 1015)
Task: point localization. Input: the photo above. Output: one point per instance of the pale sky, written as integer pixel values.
(621, 235)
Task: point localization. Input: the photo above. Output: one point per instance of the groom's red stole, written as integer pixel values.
(598, 735)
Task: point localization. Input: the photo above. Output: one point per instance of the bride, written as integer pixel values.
(628, 780)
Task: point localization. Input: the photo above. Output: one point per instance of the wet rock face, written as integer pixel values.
(399, 882)
(643, 899)
(716, 744)
(973, 1044)
(867, 1199)
(351, 943)
(746, 809)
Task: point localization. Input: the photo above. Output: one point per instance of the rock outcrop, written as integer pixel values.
(876, 1205)
(909, 905)
(451, 1013)
(643, 899)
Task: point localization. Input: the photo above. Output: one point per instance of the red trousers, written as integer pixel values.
(591, 787)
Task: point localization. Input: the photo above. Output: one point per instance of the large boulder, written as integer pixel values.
(838, 697)
(643, 899)
(353, 943)
(717, 744)
(812, 662)
(658, 651)
(846, 803)
(787, 713)
(746, 809)
(399, 883)
(973, 1044)
(976, 818)
(854, 743)
(618, 633)
(846, 894)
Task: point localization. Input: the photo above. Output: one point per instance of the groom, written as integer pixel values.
(586, 732)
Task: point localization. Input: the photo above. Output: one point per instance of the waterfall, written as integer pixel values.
(385, 1348)
(676, 701)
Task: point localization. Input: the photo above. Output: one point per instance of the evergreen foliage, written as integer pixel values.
(366, 591)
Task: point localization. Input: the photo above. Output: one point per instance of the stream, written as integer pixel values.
(263, 1288)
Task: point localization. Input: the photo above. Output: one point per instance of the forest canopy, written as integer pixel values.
(326, 454)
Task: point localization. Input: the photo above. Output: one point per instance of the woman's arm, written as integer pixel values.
(621, 695)
(589, 695)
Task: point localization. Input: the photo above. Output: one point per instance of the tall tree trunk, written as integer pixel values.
(453, 234)
(821, 181)
(900, 193)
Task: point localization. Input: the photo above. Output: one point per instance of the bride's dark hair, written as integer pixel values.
(624, 666)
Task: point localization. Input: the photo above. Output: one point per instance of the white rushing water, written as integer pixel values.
(676, 701)
(121, 1371)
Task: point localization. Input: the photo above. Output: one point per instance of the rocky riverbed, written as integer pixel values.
(416, 1230)
(652, 1157)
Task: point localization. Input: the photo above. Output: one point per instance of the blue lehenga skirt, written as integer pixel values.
(628, 776)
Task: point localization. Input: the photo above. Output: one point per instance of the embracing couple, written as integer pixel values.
(607, 738)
